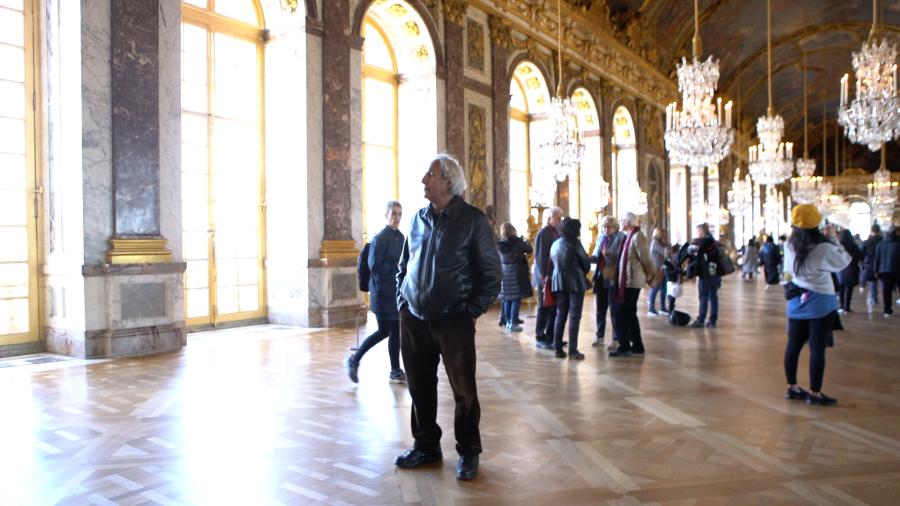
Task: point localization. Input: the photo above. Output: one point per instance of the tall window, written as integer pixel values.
(399, 110)
(860, 219)
(222, 160)
(625, 163)
(18, 175)
(527, 111)
(590, 172)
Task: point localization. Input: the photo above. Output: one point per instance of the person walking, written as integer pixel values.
(515, 284)
(570, 266)
(848, 278)
(449, 274)
(771, 257)
(707, 267)
(869, 271)
(751, 260)
(605, 255)
(810, 258)
(384, 253)
(658, 251)
(887, 263)
(633, 269)
(546, 316)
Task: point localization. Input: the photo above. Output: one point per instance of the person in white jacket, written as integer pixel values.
(810, 257)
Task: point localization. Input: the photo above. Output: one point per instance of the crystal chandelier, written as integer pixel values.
(773, 209)
(698, 136)
(740, 196)
(771, 161)
(873, 117)
(562, 152)
(806, 188)
(542, 191)
(883, 194)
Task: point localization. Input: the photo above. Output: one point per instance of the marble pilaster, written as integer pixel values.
(455, 88)
(500, 84)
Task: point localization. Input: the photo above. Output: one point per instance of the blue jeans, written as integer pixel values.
(510, 310)
(709, 296)
(661, 290)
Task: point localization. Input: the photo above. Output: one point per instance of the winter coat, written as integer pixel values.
(849, 276)
(887, 255)
(658, 253)
(514, 284)
(771, 257)
(705, 253)
(868, 249)
(542, 244)
(605, 253)
(570, 266)
(384, 255)
(751, 259)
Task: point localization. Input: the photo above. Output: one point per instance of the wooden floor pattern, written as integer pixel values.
(266, 415)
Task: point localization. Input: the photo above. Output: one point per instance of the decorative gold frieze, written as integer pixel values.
(477, 156)
(455, 11)
(501, 31)
(475, 44)
(138, 251)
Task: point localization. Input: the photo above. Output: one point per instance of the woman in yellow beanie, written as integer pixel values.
(810, 257)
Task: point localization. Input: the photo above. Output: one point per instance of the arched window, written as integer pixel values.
(19, 178)
(583, 193)
(399, 110)
(860, 219)
(625, 187)
(529, 97)
(222, 160)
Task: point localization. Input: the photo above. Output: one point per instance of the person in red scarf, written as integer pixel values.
(634, 269)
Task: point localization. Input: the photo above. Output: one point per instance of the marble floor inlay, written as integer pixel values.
(266, 415)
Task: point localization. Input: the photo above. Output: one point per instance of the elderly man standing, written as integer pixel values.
(449, 276)
(634, 268)
(605, 255)
(546, 316)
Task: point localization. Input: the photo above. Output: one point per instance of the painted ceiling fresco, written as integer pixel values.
(734, 32)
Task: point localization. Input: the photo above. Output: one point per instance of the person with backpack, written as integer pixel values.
(515, 284)
(706, 255)
(810, 257)
(380, 267)
(771, 257)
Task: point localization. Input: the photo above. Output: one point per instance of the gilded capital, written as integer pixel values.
(501, 31)
(455, 11)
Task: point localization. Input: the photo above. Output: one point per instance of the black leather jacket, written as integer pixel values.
(570, 265)
(449, 263)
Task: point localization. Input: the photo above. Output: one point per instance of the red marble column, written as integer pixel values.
(500, 41)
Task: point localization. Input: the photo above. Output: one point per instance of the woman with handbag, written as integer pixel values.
(515, 285)
(568, 282)
(605, 254)
(810, 258)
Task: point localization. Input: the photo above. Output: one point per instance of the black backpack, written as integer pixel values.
(362, 269)
(679, 318)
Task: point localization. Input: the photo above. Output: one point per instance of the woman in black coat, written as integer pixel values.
(849, 276)
(515, 284)
(568, 282)
(771, 257)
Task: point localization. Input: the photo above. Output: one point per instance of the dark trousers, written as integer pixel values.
(568, 305)
(660, 289)
(625, 321)
(799, 332)
(671, 301)
(543, 326)
(602, 300)
(424, 343)
(846, 295)
(889, 281)
(386, 328)
(708, 289)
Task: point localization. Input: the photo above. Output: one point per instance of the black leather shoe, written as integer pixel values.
(467, 467)
(519, 322)
(415, 458)
(820, 400)
(560, 354)
(544, 345)
(796, 395)
(576, 355)
(620, 353)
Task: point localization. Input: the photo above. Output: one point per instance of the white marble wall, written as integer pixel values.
(356, 186)
(315, 163)
(96, 95)
(170, 124)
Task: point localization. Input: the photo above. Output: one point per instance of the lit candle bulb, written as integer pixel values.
(719, 109)
(729, 105)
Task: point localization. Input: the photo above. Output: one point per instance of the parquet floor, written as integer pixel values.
(265, 415)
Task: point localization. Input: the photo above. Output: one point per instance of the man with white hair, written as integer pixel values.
(449, 276)
(546, 316)
(634, 269)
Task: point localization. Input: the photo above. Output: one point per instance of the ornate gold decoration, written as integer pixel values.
(290, 5)
(474, 44)
(422, 52)
(455, 11)
(501, 31)
(523, 70)
(397, 10)
(338, 250)
(533, 83)
(412, 28)
(138, 251)
(477, 156)
(433, 7)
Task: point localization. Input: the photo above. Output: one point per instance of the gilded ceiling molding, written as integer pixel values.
(501, 31)
(588, 40)
(455, 11)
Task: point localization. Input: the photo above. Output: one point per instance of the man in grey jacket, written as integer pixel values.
(449, 276)
(543, 327)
